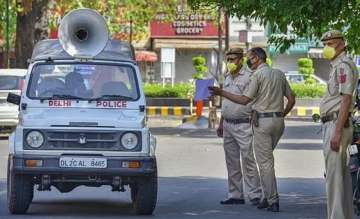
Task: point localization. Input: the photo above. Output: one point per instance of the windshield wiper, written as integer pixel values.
(62, 96)
(111, 97)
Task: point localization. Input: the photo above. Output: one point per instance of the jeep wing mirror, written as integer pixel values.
(13, 98)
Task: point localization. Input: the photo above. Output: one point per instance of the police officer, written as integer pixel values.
(335, 109)
(267, 89)
(236, 130)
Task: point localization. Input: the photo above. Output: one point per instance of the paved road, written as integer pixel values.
(193, 180)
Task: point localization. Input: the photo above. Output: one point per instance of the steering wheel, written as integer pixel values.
(50, 92)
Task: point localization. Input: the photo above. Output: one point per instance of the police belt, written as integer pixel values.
(270, 115)
(331, 117)
(238, 121)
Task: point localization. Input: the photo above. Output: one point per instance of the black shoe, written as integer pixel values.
(263, 204)
(255, 201)
(233, 201)
(274, 207)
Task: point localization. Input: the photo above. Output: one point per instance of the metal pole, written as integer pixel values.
(7, 46)
(219, 61)
(227, 31)
(131, 30)
(248, 29)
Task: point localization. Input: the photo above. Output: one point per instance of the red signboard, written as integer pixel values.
(184, 25)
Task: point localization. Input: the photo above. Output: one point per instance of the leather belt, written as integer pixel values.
(238, 121)
(331, 117)
(270, 115)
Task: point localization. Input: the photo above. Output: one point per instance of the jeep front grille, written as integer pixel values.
(83, 140)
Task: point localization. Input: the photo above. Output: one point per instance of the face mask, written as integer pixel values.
(329, 52)
(231, 67)
(249, 64)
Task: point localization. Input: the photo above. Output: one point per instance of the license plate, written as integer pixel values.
(82, 162)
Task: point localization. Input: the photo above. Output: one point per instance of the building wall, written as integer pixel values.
(322, 68)
(236, 25)
(286, 62)
(183, 64)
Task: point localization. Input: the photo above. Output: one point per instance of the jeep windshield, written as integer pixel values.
(83, 82)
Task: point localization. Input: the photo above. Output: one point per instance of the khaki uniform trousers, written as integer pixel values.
(266, 137)
(338, 179)
(238, 143)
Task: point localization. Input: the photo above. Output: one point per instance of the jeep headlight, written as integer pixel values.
(129, 140)
(35, 139)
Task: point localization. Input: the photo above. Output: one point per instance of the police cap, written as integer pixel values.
(235, 51)
(332, 34)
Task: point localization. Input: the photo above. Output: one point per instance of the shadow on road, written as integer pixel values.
(179, 197)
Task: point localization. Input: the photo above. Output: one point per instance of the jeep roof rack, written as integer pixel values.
(52, 49)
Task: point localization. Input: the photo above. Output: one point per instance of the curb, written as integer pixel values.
(165, 111)
(304, 111)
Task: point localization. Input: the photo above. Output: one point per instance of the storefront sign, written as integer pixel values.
(185, 24)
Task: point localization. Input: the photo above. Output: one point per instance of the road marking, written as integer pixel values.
(300, 141)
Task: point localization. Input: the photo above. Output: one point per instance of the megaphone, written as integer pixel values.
(83, 33)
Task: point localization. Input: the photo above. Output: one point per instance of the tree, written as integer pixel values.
(35, 17)
(31, 27)
(306, 68)
(3, 23)
(120, 15)
(307, 18)
(199, 63)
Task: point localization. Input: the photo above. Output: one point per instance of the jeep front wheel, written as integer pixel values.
(20, 192)
(144, 195)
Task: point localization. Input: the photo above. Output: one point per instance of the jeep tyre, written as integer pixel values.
(20, 192)
(144, 195)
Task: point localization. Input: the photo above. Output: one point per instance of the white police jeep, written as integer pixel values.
(82, 119)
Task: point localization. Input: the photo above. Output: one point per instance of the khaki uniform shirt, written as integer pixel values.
(267, 89)
(343, 80)
(237, 85)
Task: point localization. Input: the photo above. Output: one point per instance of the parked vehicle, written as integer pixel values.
(11, 80)
(354, 164)
(296, 77)
(83, 119)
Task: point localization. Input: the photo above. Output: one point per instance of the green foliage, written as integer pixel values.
(308, 90)
(181, 90)
(305, 62)
(199, 63)
(186, 90)
(306, 69)
(117, 13)
(12, 22)
(304, 19)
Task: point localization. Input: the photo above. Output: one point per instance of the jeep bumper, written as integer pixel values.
(50, 166)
